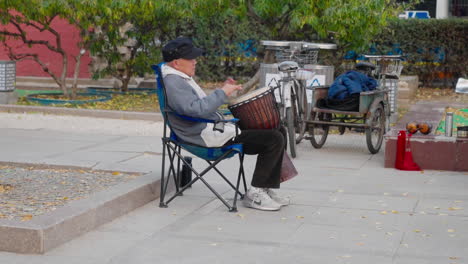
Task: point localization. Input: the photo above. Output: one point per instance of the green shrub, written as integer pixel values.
(433, 49)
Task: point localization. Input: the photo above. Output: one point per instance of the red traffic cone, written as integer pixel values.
(400, 151)
(404, 156)
(408, 162)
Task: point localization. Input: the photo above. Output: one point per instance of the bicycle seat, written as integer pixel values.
(286, 66)
(365, 66)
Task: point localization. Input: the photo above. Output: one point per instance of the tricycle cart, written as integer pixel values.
(374, 108)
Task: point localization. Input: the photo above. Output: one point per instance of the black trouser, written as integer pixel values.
(270, 146)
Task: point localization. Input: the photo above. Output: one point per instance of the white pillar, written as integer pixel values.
(442, 9)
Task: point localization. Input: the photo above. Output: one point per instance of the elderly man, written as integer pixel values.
(185, 97)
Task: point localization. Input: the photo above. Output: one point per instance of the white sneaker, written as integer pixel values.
(258, 198)
(283, 201)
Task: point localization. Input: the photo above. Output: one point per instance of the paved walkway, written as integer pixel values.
(346, 207)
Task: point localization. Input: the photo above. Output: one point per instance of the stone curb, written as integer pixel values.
(126, 115)
(50, 230)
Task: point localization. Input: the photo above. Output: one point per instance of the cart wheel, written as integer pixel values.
(319, 133)
(376, 129)
(291, 131)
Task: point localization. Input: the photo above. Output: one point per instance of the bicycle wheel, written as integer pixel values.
(318, 132)
(302, 112)
(291, 131)
(376, 129)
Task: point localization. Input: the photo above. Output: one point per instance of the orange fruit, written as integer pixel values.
(424, 128)
(412, 127)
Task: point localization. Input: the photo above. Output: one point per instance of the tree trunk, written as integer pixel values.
(74, 88)
(250, 84)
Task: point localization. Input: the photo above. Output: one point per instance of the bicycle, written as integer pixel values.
(292, 103)
(290, 90)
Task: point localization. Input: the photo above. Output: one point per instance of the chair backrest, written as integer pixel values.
(202, 152)
(160, 89)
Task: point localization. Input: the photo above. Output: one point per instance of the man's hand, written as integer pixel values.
(230, 87)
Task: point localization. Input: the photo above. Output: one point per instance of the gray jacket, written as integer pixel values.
(185, 97)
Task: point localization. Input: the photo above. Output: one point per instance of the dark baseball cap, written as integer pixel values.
(180, 48)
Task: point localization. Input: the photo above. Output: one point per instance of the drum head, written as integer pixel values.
(249, 95)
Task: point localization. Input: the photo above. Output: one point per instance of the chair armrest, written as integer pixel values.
(224, 111)
(232, 120)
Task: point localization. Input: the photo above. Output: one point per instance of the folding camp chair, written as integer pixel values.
(212, 155)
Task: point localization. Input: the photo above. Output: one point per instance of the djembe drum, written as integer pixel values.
(256, 110)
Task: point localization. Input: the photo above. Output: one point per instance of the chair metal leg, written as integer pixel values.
(162, 193)
(174, 151)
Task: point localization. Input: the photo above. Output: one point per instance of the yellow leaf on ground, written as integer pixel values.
(450, 230)
(455, 208)
(417, 230)
(26, 217)
(395, 212)
(115, 173)
(299, 217)
(384, 212)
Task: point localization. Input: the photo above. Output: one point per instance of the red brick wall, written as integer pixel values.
(70, 36)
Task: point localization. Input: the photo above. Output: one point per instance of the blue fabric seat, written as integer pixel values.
(172, 147)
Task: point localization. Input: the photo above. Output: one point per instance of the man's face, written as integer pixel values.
(186, 66)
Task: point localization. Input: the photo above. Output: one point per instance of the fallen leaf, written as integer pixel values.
(417, 230)
(450, 230)
(384, 212)
(115, 173)
(455, 208)
(299, 217)
(394, 212)
(26, 217)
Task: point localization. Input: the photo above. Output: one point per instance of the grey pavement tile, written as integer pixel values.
(341, 199)
(133, 144)
(353, 218)
(150, 218)
(412, 259)
(10, 258)
(175, 249)
(449, 205)
(246, 225)
(306, 255)
(140, 162)
(436, 236)
(348, 240)
(98, 245)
